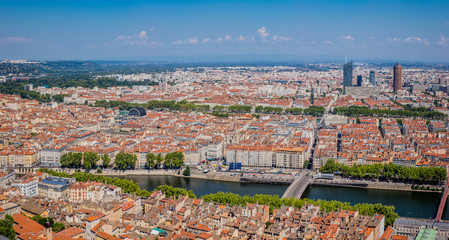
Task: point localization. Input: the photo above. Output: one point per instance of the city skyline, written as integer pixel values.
(219, 30)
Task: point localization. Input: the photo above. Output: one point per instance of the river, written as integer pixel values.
(408, 204)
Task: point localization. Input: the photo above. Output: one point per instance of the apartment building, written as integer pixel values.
(28, 187)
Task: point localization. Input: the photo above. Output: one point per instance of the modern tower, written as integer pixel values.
(372, 78)
(347, 75)
(397, 77)
(359, 80)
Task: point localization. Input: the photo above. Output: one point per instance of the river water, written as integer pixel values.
(408, 204)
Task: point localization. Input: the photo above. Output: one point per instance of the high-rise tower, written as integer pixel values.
(372, 78)
(347, 75)
(397, 77)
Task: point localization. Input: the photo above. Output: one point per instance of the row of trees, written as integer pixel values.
(274, 201)
(87, 160)
(218, 110)
(232, 109)
(388, 172)
(356, 111)
(123, 161)
(154, 104)
(171, 160)
(170, 191)
(127, 185)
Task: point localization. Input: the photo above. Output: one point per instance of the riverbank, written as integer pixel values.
(261, 179)
(164, 172)
(368, 184)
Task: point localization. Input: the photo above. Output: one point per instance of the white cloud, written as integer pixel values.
(443, 40)
(416, 40)
(143, 35)
(241, 38)
(262, 33)
(187, 41)
(277, 38)
(139, 39)
(395, 39)
(229, 38)
(178, 42)
(206, 40)
(410, 40)
(192, 40)
(328, 42)
(348, 37)
(12, 39)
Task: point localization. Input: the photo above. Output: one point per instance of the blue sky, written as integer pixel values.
(152, 30)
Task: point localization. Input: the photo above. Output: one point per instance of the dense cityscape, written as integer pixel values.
(339, 125)
(224, 120)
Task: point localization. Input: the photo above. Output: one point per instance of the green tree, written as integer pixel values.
(66, 159)
(106, 160)
(56, 226)
(186, 171)
(6, 227)
(71, 159)
(125, 161)
(90, 160)
(159, 160)
(59, 97)
(174, 160)
(76, 160)
(151, 160)
(306, 163)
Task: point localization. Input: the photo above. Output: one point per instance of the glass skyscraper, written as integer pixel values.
(347, 75)
(372, 78)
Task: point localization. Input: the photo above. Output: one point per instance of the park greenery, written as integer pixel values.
(274, 201)
(357, 111)
(387, 172)
(6, 227)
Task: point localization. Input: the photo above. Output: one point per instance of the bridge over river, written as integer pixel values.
(443, 198)
(299, 185)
